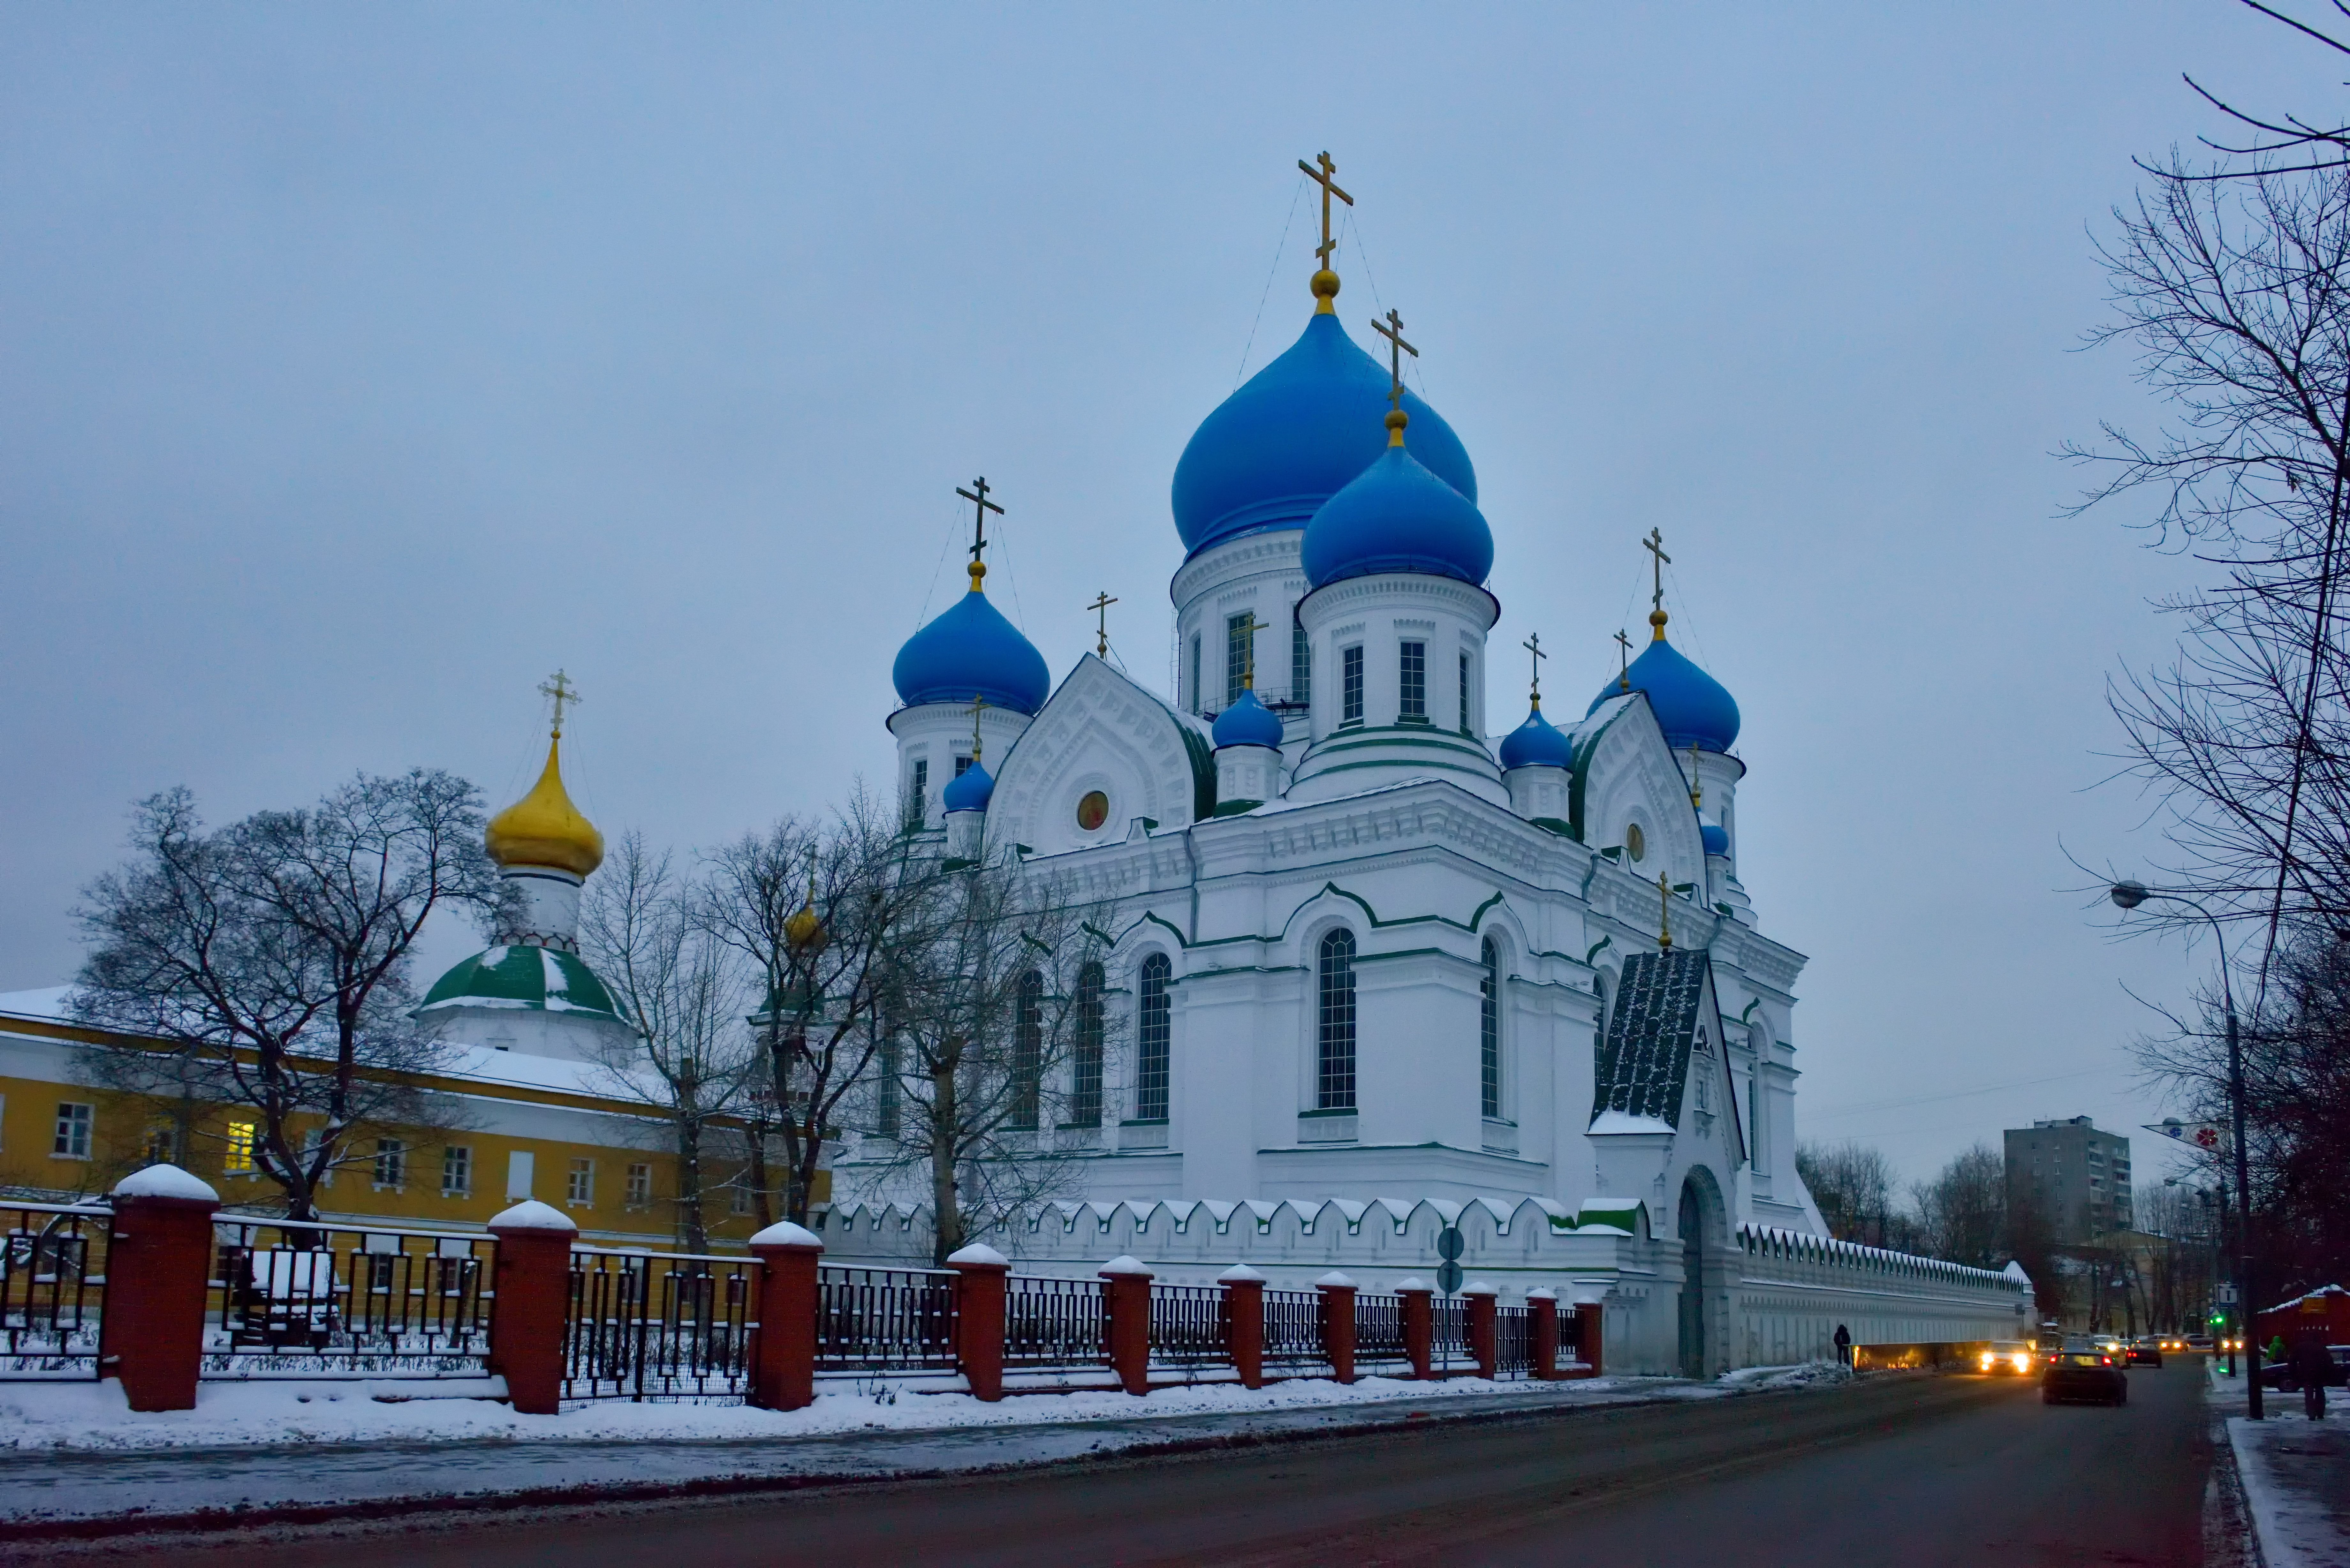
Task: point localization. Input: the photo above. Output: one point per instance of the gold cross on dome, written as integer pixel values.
(1392, 330)
(1321, 177)
(1655, 545)
(978, 706)
(1624, 668)
(1534, 645)
(981, 507)
(1664, 912)
(1248, 630)
(1101, 606)
(558, 687)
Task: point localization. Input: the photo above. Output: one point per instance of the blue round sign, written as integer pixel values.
(1447, 1276)
(1449, 1244)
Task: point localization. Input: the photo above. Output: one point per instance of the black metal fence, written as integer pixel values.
(1379, 1331)
(291, 1299)
(1293, 1329)
(657, 1326)
(885, 1320)
(52, 1290)
(1054, 1323)
(1190, 1325)
(1514, 1342)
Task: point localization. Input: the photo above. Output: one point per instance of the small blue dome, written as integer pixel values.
(968, 791)
(1274, 451)
(1717, 841)
(1691, 707)
(1397, 516)
(1536, 745)
(1247, 723)
(970, 651)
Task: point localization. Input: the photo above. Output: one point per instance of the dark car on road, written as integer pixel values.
(2146, 1351)
(2082, 1371)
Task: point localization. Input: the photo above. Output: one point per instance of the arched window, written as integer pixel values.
(1086, 1073)
(1335, 978)
(1027, 1051)
(1151, 1040)
(1489, 1031)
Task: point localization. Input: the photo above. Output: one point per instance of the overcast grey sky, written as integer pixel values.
(358, 366)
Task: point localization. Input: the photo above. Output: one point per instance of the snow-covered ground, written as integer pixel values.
(2296, 1478)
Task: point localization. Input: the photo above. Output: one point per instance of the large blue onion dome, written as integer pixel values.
(1716, 836)
(1691, 707)
(1292, 436)
(1247, 722)
(1397, 516)
(972, 652)
(1536, 745)
(969, 789)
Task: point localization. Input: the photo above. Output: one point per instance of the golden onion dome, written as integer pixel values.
(543, 828)
(805, 925)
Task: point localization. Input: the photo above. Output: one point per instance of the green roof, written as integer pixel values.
(518, 975)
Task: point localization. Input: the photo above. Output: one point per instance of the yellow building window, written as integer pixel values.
(238, 1161)
(641, 1186)
(390, 1164)
(457, 1170)
(582, 1190)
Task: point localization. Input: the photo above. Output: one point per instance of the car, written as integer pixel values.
(2278, 1374)
(2082, 1371)
(2171, 1342)
(2144, 1351)
(2199, 1342)
(2005, 1358)
(2110, 1344)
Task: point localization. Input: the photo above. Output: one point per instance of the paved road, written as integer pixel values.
(1915, 1471)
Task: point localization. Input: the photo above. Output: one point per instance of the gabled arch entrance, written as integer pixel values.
(1704, 1234)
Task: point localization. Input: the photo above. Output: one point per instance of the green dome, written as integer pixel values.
(520, 976)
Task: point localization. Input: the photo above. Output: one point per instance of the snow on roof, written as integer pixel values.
(164, 1181)
(47, 1001)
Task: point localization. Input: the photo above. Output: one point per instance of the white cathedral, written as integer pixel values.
(1392, 963)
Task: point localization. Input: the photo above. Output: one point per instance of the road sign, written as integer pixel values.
(2225, 1295)
(1448, 1275)
(1449, 1244)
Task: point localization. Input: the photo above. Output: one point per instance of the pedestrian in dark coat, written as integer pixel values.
(1844, 1346)
(2310, 1368)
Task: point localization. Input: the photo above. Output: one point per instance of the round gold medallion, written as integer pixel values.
(1093, 810)
(1636, 842)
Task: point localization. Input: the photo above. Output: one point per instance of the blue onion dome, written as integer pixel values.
(1717, 839)
(1691, 707)
(969, 789)
(972, 652)
(1536, 745)
(1397, 516)
(1247, 723)
(1274, 452)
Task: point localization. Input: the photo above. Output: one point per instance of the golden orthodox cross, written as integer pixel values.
(1329, 188)
(1534, 645)
(978, 706)
(1101, 606)
(981, 507)
(1697, 790)
(1248, 630)
(1392, 330)
(1655, 545)
(1624, 667)
(558, 686)
(1664, 912)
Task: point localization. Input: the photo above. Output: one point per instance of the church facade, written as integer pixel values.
(1391, 962)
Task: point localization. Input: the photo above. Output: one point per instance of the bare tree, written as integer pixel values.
(1853, 1183)
(993, 1075)
(269, 961)
(693, 1058)
(1962, 1211)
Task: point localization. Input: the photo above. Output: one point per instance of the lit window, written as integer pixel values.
(457, 1172)
(1411, 675)
(1334, 984)
(641, 1186)
(236, 1159)
(1152, 1035)
(582, 1188)
(1350, 686)
(74, 1121)
(390, 1163)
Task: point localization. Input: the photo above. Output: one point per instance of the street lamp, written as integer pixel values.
(2129, 896)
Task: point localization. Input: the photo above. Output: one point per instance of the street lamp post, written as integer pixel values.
(2129, 896)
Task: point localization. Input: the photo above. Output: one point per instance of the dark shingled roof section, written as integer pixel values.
(1644, 1059)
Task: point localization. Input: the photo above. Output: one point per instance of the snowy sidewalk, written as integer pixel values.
(2296, 1478)
(75, 1452)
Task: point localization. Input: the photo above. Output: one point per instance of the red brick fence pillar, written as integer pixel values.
(533, 1295)
(1588, 1316)
(1244, 1309)
(1418, 1327)
(979, 1317)
(783, 1359)
(1125, 1304)
(1482, 1342)
(1338, 1324)
(1544, 1306)
(159, 1254)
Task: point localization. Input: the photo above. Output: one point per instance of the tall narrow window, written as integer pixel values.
(1350, 686)
(74, 1121)
(1465, 727)
(457, 1170)
(918, 791)
(237, 1155)
(390, 1163)
(1198, 698)
(1335, 981)
(1028, 1050)
(1301, 667)
(1411, 681)
(1238, 632)
(1086, 1065)
(1489, 1029)
(581, 1188)
(887, 1097)
(1152, 1037)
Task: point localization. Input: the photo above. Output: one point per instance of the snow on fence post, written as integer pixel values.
(1126, 1312)
(532, 1302)
(783, 1358)
(1338, 1324)
(979, 1270)
(1588, 1316)
(1244, 1311)
(158, 1254)
(1543, 1305)
(1482, 1341)
(1419, 1325)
